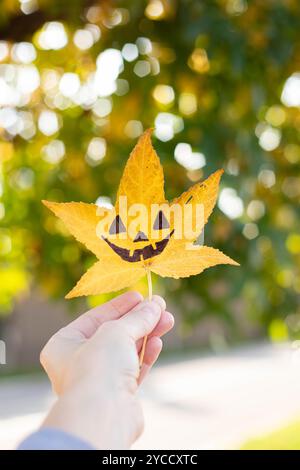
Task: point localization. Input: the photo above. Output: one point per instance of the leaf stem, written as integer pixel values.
(149, 279)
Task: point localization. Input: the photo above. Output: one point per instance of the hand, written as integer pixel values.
(94, 368)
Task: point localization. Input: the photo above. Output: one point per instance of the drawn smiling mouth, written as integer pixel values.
(140, 253)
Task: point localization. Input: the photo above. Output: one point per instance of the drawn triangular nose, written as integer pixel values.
(141, 237)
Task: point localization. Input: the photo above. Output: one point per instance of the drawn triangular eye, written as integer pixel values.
(117, 226)
(160, 221)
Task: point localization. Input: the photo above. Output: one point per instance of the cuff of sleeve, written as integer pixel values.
(53, 439)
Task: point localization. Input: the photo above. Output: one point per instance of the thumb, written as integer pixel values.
(143, 318)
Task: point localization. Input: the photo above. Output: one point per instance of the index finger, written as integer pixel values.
(88, 323)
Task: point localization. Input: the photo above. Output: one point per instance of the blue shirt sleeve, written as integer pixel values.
(53, 439)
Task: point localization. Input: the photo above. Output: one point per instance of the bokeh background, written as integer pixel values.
(220, 81)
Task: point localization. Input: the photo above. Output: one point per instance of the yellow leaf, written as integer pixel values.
(107, 275)
(182, 262)
(81, 220)
(127, 251)
(143, 178)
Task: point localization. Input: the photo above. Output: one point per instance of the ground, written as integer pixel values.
(196, 402)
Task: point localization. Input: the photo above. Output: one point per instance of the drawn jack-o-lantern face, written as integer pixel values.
(144, 244)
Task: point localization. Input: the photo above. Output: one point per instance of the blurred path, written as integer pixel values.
(206, 402)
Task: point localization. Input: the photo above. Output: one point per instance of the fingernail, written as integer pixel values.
(137, 295)
(161, 302)
(151, 306)
(171, 318)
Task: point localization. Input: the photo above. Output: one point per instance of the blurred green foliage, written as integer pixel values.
(224, 66)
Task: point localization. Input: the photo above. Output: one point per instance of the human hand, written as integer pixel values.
(93, 366)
